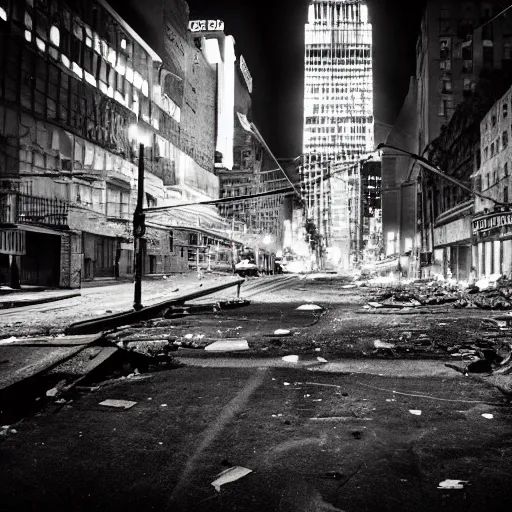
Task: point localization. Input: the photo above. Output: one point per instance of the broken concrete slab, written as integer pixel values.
(26, 361)
(119, 404)
(228, 345)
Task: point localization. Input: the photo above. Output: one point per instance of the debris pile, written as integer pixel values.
(494, 293)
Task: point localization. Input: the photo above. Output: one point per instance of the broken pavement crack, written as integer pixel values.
(210, 434)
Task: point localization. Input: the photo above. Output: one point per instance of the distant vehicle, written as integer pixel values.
(280, 265)
(246, 268)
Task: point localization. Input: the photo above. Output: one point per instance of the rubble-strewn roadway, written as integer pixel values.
(368, 418)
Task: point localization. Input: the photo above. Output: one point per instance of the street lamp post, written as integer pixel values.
(139, 229)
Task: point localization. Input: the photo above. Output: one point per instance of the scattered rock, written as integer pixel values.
(309, 307)
(291, 359)
(383, 344)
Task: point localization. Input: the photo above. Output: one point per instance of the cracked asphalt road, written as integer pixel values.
(322, 442)
(317, 438)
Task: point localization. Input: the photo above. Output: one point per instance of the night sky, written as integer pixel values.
(270, 36)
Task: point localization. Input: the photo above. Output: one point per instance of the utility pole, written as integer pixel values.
(139, 229)
(360, 227)
(321, 226)
(233, 263)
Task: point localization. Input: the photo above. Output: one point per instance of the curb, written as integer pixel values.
(33, 302)
(115, 320)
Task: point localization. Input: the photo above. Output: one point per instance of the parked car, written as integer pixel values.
(247, 268)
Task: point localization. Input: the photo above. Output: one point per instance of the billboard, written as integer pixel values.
(206, 26)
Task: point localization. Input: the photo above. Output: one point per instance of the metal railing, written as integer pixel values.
(16, 208)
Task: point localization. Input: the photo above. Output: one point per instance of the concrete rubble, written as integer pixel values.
(494, 293)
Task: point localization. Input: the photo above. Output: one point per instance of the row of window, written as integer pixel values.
(338, 53)
(495, 147)
(326, 130)
(446, 85)
(93, 60)
(494, 116)
(329, 89)
(446, 107)
(486, 9)
(119, 67)
(446, 65)
(491, 179)
(349, 124)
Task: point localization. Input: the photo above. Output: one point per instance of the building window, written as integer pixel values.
(55, 36)
(446, 65)
(445, 48)
(478, 184)
(467, 51)
(445, 108)
(507, 51)
(118, 201)
(467, 66)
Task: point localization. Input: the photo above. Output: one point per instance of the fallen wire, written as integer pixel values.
(430, 397)
(318, 384)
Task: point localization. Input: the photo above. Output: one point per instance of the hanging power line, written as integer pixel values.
(280, 191)
(431, 167)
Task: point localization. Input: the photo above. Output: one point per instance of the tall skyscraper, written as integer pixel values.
(338, 118)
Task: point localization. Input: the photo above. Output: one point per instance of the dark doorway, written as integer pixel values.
(105, 256)
(41, 263)
(4, 269)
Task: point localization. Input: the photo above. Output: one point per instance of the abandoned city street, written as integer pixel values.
(256, 256)
(349, 424)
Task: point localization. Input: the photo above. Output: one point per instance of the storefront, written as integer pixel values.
(34, 252)
(100, 256)
(492, 248)
(452, 248)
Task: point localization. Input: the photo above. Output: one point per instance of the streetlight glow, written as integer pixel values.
(136, 134)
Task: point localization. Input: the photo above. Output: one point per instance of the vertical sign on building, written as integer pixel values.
(338, 113)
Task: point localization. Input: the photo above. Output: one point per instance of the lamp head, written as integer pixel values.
(138, 135)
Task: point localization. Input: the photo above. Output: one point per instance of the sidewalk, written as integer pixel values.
(94, 302)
